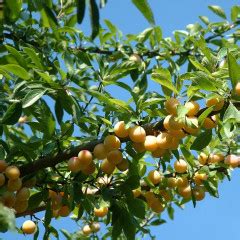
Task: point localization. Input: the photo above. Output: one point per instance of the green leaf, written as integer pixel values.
(198, 65)
(202, 140)
(204, 115)
(66, 234)
(204, 19)
(144, 7)
(231, 113)
(211, 187)
(235, 13)
(157, 222)
(16, 70)
(94, 17)
(204, 81)
(36, 199)
(59, 111)
(137, 207)
(32, 96)
(111, 102)
(15, 8)
(163, 77)
(18, 56)
(48, 215)
(234, 69)
(218, 11)
(34, 57)
(13, 114)
(129, 228)
(187, 155)
(144, 35)
(81, 5)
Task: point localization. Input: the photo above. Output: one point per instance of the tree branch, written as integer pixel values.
(52, 160)
(31, 212)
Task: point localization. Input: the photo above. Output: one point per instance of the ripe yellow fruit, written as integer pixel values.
(107, 167)
(177, 133)
(99, 151)
(232, 160)
(120, 130)
(3, 165)
(155, 177)
(172, 182)
(136, 192)
(20, 206)
(114, 157)
(90, 169)
(193, 127)
(199, 193)
(150, 143)
(12, 172)
(74, 165)
(199, 178)
(86, 230)
(2, 179)
(163, 140)
(193, 108)
(85, 158)
(171, 105)
(237, 89)
(111, 142)
(23, 194)
(185, 192)
(203, 158)
(182, 182)
(216, 102)
(52, 194)
(28, 227)
(101, 212)
(135, 58)
(174, 143)
(8, 199)
(180, 166)
(137, 134)
(210, 122)
(157, 206)
(171, 123)
(64, 211)
(56, 201)
(165, 194)
(123, 165)
(158, 153)
(14, 185)
(139, 147)
(95, 227)
(150, 197)
(215, 158)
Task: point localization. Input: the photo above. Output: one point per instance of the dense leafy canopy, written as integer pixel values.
(59, 95)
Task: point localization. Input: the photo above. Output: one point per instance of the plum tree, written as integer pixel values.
(110, 127)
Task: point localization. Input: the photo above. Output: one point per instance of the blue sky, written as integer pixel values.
(212, 218)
